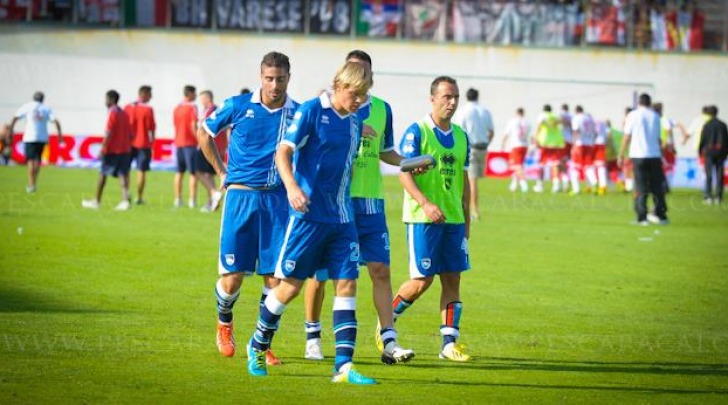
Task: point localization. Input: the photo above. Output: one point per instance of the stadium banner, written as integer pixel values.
(378, 18)
(688, 172)
(99, 11)
(606, 23)
(145, 13)
(191, 13)
(516, 22)
(16, 10)
(82, 151)
(425, 20)
(256, 15)
(331, 17)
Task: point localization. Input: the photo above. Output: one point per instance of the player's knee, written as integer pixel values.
(345, 288)
(379, 272)
(231, 282)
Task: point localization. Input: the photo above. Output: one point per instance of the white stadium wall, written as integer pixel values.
(75, 67)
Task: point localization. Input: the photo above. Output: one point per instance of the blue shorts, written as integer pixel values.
(436, 248)
(310, 245)
(186, 159)
(201, 163)
(34, 150)
(142, 157)
(373, 241)
(253, 223)
(115, 164)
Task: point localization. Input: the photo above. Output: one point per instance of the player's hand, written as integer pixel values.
(368, 132)
(421, 170)
(222, 176)
(298, 199)
(434, 213)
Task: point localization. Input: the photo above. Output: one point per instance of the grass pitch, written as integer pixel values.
(566, 302)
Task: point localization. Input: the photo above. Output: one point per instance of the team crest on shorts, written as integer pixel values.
(426, 263)
(290, 265)
(229, 259)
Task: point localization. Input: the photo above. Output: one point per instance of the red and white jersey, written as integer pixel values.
(566, 126)
(517, 130)
(584, 125)
(600, 136)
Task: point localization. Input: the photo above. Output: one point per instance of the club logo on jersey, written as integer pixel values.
(250, 113)
(426, 263)
(325, 119)
(293, 128)
(229, 259)
(290, 265)
(409, 140)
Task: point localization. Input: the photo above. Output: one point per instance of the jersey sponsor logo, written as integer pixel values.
(229, 259)
(426, 263)
(324, 119)
(447, 167)
(290, 265)
(249, 113)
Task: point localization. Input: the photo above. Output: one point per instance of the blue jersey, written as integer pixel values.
(409, 146)
(326, 145)
(370, 206)
(256, 132)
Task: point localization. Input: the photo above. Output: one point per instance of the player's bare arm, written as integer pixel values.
(466, 203)
(208, 148)
(623, 149)
(59, 132)
(432, 211)
(296, 197)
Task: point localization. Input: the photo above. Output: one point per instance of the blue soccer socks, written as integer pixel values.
(450, 331)
(225, 303)
(345, 327)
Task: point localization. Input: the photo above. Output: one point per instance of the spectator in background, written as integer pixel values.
(642, 134)
(477, 122)
(185, 140)
(115, 153)
(714, 149)
(6, 144)
(36, 115)
(141, 118)
(203, 169)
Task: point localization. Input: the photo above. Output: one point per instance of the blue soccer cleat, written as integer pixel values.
(256, 361)
(347, 374)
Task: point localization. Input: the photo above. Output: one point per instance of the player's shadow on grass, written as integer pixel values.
(517, 364)
(655, 390)
(12, 300)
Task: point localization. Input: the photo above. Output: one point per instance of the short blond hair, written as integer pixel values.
(354, 75)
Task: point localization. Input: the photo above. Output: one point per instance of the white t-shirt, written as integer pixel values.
(36, 117)
(566, 126)
(643, 124)
(600, 134)
(517, 130)
(584, 124)
(475, 120)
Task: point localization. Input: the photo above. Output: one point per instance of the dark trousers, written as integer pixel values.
(714, 165)
(649, 179)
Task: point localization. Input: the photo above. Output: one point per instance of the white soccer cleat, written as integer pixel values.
(394, 353)
(513, 187)
(205, 209)
(123, 206)
(538, 188)
(178, 203)
(313, 350)
(90, 204)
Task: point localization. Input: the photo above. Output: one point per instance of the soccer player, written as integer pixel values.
(515, 141)
(37, 116)
(185, 140)
(436, 212)
(367, 192)
(714, 150)
(613, 141)
(203, 169)
(321, 233)
(550, 139)
(477, 122)
(141, 117)
(599, 155)
(642, 134)
(115, 153)
(582, 155)
(568, 143)
(255, 213)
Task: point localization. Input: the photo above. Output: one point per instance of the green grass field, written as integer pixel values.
(566, 302)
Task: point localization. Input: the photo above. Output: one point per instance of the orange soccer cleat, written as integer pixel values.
(225, 339)
(271, 359)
